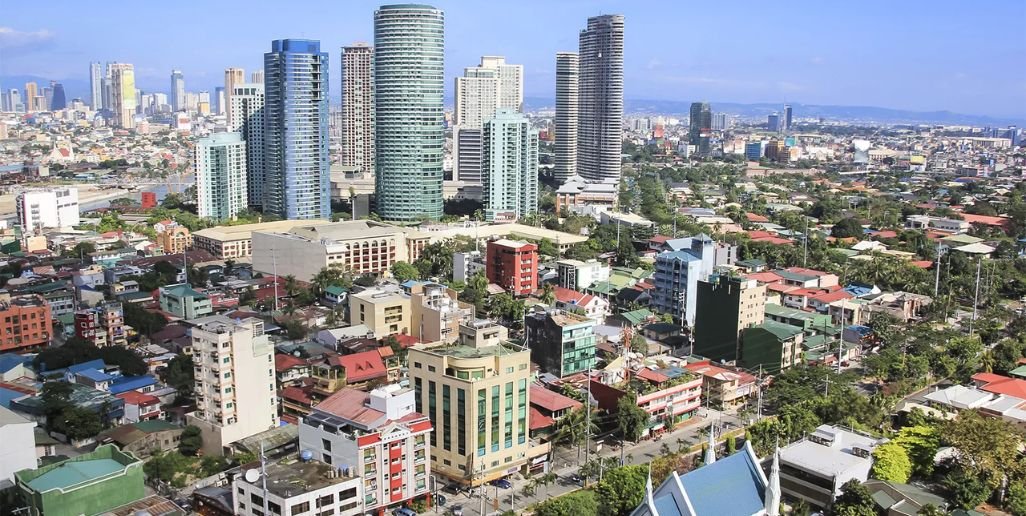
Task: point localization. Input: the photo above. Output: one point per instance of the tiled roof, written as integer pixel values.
(363, 366)
(999, 384)
(550, 400)
(653, 376)
(539, 420)
(283, 362)
(138, 398)
(351, 405)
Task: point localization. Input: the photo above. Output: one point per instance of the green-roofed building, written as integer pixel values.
(88, 484)
(771, 347)
(810, 322)
(1018, 372)
(185, 302)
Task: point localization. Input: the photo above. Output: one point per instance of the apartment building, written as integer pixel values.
(562, 343)
(725, 306)
(437, 313)
(294, 487)
(512, 265)
(102, 325)
(385, 310)
(25, 324)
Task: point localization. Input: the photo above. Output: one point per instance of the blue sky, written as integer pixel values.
(910, 54)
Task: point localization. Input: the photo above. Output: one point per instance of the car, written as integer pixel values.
(440, 500)
(403, 511)
(576, 479)
(456, 510)
(502, 483)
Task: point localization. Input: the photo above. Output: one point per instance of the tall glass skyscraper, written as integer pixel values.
(600, 105)
(296, 130)
(409, 132)
(95, 86)
(700, 127)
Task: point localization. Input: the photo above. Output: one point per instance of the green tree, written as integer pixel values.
(854, 500)
(191, 441)
(144, 321)
(621, 490)
(847, 228)
(578, 502)
(891, 463)
(547, 248)
(404, 272)
(920, 443)
(631, 420)
(967, 490)
(987, 447)
(78, 423)
(1015, 501)
(180, 375)
(639, 344)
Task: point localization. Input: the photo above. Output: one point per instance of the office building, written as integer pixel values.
(679, 268)
(754, 150)
(379, 436)
(49, 208)
(476, 397)
(725, 306)
(771, 347)
(219, 104)
(256, 77)
(719, 121)
(177, 91)
(358, 107)
(567, 77)
(220, 166)
(512, 265)
(233, 78)
(814, 468)
(93, 483)
(562, 343)
(409, 133)
(291, 487)
(12, 101)
(296, 130)
(31, 92)
(246, 113)
(787, 117)
(384, 310)
(95, 86)
(58, 100)
(773, 123)
(437, 313)
(510, 166)
(493, 85)
(700, 127)
(600, 90)
(25, 325)
(122, 87)
(235, 383)
(183, 301)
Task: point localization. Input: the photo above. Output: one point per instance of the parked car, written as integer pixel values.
(403, 511)
(456, 510)
(440, 500)
(502, 483)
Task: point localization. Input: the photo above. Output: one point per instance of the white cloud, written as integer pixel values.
(11, 38)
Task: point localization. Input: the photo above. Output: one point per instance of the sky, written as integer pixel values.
(919, 55)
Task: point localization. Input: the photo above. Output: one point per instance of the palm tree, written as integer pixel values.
(548, 294)
(987, 361)
(291, 286)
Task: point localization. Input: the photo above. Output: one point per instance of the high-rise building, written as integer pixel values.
(510, 166)
(409, 42)
(47, 97)
(567, 76)
(719, 121)
(107, 89)
(296, 130)
(787, 117)
(31, 92)
(600, 105)
(235, 383)
(233, 77)
(773, 122)
(246, 113)
(477, 397)
(58, 100)
(678, 269)
(221, 107)
(220, 167)
(725, 306)
(358, 107)
(512, 265)
(482, 90)
(95, 86)
(122, 77)
(562, 343)
(700, 127)
(177, 91)
(12, 101)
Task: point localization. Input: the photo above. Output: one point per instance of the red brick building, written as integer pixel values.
(25, 324)
(149, 200)
(513, 266)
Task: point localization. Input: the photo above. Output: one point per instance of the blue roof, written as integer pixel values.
(7, 395)
(92, 364)
(94, 375)
(131, 383)
(9, 361)
(731, 485)
(682, 255)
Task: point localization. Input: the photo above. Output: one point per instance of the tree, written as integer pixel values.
(891, 463)
(548, 294)
(144, 321)
(578, 502)
(621, 490)
(920, 443)
(191, 441)
(77, 423)
(295, 329)
(180, 375)
(1015, 501)
(639, 344)
(847, 228)
(967, 490)
(404, 272)
(987, 446)
(572, 428)
(631, 420)
(547, 248)
(854, 500)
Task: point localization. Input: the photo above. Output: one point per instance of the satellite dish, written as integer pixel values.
(252, 475)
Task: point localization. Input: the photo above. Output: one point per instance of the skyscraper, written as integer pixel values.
(358, 107)
(480, 92)
(232, 78)
(122, 77)
(787, 117)
(95, 86)
(600, 115)
(221, 105)
(177, 91)
(700, 127)
(58, 99)
(31, 92)
(567, 77)
(220, 167)
(409, 137)
(773, 122)
(510, 166)
(247, 116)
(296, 130)
(257, 77)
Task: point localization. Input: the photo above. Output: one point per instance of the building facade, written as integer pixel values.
(221, 179)
(246, 109)
(512, 265)
(409, 134)
(510, 166)
(122, 81)
(483, 90)
(25, 324)
(50, 208)
(725, 306)
(235, 384)
(102, 325)
(679, 268)
(771, 347)
(437, 313)
(567, 94)
(174, 239)
(384, 310)
(177, 91)
(600, 90)
(358, 107)
(233, 78)
(562, 343)
(95, 86)
(295, 487)
(296, 130)
(700, 127)
(183, 301)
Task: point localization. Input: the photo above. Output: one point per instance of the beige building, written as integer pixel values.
(384, 310)
(175, 239)
(463, 389)
(437, 313)
(362, 246)
(234, 242)
(235, 383)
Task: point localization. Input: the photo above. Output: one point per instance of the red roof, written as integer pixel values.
(923, 264)
(139, 399)
(283, 362)
(297, 394)
(780, 287)
(647, 374)
(360, 367)
(775, 240)
(986, 220)
(538, 420)
(406, 340)
(572, 297)
(755, 235)
(659, 239)
(998, 384)
(351, 405)
(886, 234)
(806, 271)
(830, 297)
(755, 217)
(764, 277)
(551, 401)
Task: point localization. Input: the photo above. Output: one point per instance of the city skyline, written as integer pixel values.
(969, 58)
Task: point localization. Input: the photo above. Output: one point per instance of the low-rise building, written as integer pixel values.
(385, 310)
(562, 343)
(26, 324)
(143, 438)
(293, 487)
(102, 325)
(379, 436)
(184, 301)
(437, 312)
(814, 468)
(49, 208)
(232, 242)
(174, 239)
(725, 306)
(771, 347)
(19, 449)
(92, 483)
(723, 387)
(578, 275)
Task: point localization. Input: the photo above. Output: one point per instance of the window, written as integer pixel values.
(327, 499)
(482, 418)
(461, 421)
(300, 508)
(431, 409)
(326, 444)
(446, 417)
(416, 365)
(495, 418)
(274, 508)
(256, 499)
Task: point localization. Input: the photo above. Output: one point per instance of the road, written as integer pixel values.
(564, 464)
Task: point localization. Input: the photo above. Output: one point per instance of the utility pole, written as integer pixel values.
(936, 280)
(274, 265)
(805, 249)
(976, 297)
(587, 421)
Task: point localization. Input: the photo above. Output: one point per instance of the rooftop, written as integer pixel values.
(459, 351)
(292, 477)
(831, 451)
(245, 231)
(346, 230)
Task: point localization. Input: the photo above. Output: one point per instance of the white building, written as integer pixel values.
(578, 275)
(291, 488)
(465, 265)
(509, 159)
(19, 449)
(378, 436)
(235, 382)
(482, 90)
(221, 179)
(815, 468)
(358, 107)
(246, 108)
(50, 208)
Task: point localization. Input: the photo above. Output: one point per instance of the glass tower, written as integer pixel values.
(409, 131)
(600, 98)
(296, 130)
